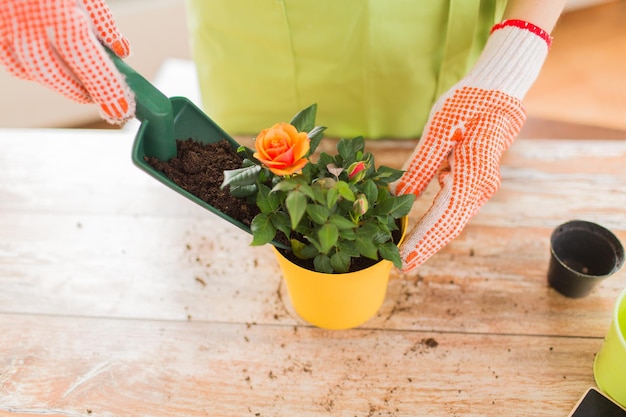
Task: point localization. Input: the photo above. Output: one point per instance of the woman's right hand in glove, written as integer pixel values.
(58, 43)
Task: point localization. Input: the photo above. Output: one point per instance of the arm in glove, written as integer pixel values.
(58, 43)
(469, 128)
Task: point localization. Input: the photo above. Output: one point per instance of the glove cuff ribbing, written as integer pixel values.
(511, 59)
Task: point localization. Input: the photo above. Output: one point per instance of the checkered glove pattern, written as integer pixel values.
(58, 44)
(469, 129)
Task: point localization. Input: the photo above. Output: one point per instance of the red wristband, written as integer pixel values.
(524, 25)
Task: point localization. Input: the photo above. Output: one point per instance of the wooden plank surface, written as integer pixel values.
(88, 366)
(118, 297)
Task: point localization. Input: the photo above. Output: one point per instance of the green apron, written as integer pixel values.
(374, 67)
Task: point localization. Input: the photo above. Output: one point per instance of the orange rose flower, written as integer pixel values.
(282, 149)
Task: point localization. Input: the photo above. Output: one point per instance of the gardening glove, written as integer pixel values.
(469, 128)
(58, 43)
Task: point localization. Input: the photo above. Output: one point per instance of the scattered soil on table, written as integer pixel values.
(199, 169)
(430, 342)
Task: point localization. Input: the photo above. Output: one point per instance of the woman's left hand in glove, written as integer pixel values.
(469, 128)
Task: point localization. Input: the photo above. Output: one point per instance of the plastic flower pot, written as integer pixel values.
(609, 366)
(582, 255)
(337, 301)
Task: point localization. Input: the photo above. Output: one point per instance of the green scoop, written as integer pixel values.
(163, 121)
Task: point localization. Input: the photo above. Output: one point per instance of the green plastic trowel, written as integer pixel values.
(163, 120)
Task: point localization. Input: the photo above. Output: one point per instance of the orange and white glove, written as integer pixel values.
(58, 43)
(469, 128)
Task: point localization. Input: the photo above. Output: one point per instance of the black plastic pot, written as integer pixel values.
(582, 255)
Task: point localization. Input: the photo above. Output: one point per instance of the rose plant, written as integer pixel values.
(331, 209)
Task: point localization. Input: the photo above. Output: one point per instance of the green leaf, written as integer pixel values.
(367, 231)
(327, 235)
(381, 236)
(348, 248)
(241, 176)
(267, 201)
(358, 144)
(309, 252)
(307, 190)
(312, 240)
(325, 160)
(286, 184)
(345, 191)
(341, 222)
(351, 149)
(346, 151)
(386, 175)
(242, 191)
(370, 190)
(402, 206)
(386, 224)
(296, 206)
(308, 171)
(322, 264)
(317, 213)
(304, 121)
(390, 252)
(395, 206)
(318, 195)
(348, 234)
(280, 220)
(340, 262)
(304, 228)
(263, 230)
(316, 136)
(366, 247)
(297, 247)
(331, 197)
(248, 155)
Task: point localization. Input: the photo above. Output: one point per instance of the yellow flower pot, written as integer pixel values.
(337, 301)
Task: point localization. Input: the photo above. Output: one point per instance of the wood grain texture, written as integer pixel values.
(118, 297)
(109, 367)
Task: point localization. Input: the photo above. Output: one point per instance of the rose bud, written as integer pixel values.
(357, 171)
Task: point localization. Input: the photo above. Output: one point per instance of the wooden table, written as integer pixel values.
(118, 297)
